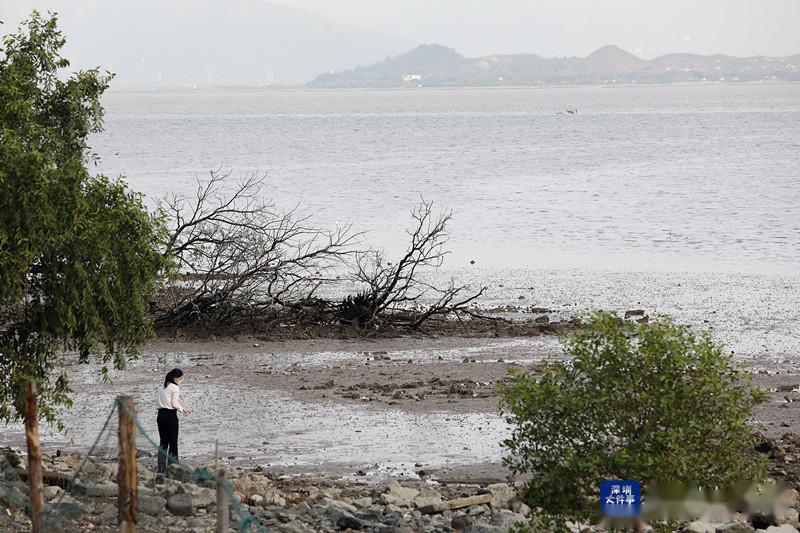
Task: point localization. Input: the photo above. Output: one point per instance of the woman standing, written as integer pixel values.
(169, 406)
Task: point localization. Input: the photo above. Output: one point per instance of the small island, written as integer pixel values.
(435, 65)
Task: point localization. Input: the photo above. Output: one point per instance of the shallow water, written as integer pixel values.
(266, 427)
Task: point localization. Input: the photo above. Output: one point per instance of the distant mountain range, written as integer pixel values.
(438, 66)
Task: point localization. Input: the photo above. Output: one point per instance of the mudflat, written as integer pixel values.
(365, 409)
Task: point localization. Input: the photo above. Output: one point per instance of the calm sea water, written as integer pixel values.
(670, 178)
(682, 199)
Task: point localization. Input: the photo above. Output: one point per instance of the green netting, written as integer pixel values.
(240, 516)
(94, 476)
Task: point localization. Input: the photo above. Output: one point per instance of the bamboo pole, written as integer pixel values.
(223, 505)
(34, 459)
(127, 499)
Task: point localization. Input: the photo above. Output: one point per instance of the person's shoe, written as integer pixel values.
(159, 479)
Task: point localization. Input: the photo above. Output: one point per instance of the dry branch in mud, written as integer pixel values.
(239, 258)
(243, 264)
(393, 293)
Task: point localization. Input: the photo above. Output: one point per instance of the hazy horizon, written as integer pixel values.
(286, 42)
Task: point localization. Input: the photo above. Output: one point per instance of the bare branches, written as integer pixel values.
(235, 251)
(392, 289)
(241, 260)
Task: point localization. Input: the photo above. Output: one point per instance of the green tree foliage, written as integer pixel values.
(650, 402)
(79, 254)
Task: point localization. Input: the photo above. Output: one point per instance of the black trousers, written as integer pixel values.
(168, 435)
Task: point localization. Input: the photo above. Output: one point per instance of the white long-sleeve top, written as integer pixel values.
(169, 398)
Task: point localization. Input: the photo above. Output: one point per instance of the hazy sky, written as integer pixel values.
(578, 27)
(557, 27)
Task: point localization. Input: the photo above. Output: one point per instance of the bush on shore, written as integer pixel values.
(650, 402)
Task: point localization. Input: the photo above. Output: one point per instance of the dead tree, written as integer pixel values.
(238, 257)
(395, 293)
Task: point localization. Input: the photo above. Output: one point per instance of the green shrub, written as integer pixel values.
(650, 402)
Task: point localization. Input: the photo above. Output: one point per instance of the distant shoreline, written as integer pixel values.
(304, 88)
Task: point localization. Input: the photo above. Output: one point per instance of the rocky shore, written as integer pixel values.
(186, 501)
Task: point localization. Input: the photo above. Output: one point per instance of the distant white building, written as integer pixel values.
(412, 77)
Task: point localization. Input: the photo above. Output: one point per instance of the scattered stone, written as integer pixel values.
(502, 495)
(789, 498)
(152, 505)
(201, 496)
(461, 521)
(103, 490)
(52, 491)
(301, 508)
(787, 516)
(11, 456)
(180, 505)
(427, 501)
(398, 495)
(348, 521)
(458, 503)
(362, 503)
(735, 527)
(520, 508)
(506, 519)
(700, 527)
(784, 528)
(634, 312)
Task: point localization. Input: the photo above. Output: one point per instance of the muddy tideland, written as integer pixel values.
(358, 409)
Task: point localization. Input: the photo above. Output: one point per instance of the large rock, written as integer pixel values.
(181, 504)
(251, 485)
(201, 496)
(699, 526)
(329, 504)
(11, 456)
(151, 505)
(362, 503)
(52, 491)
(188, 503)
(787, 516)
(427, 501)
(784, 528)
(348, 521)
(294, 527)
(70, 508)
(399, 495)
(789, 498)
(102, 490)
(461, 521)
(483, 528)
(301, 508)
(505, 520)
(735, 527)
(503, 495)
(272, 497)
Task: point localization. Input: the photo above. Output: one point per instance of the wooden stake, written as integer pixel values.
(34, 459)
(223, 505)
(127, 499)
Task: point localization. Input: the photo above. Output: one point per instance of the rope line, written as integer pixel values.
(200, 474)
(244, 520)
(71, 484)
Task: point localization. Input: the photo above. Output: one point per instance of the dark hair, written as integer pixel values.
(171, 375)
